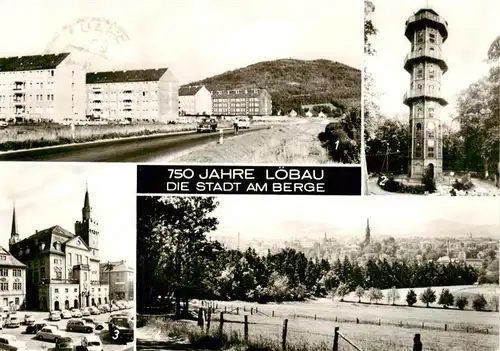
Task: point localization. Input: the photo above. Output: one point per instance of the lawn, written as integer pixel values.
(283, 143)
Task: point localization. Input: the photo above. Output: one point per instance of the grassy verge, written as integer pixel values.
(293, 143)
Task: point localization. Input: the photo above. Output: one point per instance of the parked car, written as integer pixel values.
(66, 314)
(94, 311)
(114, 308)
(207, 125)
(79, 325)
(10, 342)
(65, 344)
(33, 329)
(76, 313)
(54, 316)
(12, 322)
(50, 333)
(121, 329)
(85, 312)
(92, 343)
(29, 319)
(106, 307)
(97, 325)
(243, 123)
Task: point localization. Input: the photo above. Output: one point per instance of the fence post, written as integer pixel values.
(273, 313)
(417, 345)
(225, 308)
(246, 328)
(244, 309)
(285, 329)
(379, 321)
(221, 323)
(357, 320)
(336, 339)
(256, 310)
(200, 318)
(314, 317)
(251, 310)
(445, 327)
(209, 317)
(422, 325)
(237, 310)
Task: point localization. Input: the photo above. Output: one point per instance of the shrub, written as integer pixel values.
(428, 296)
(479, 302)
(461, 301)
(411, 297)
(445, 298)
(429, 182)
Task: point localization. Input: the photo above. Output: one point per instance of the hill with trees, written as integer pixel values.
(293, 83)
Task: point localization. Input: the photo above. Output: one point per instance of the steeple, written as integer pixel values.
(367, 232)
(14, 235)
(86, 204)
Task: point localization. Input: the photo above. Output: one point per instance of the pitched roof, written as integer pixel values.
(189, 90)
(10, 260)
(144, 75)
(30, 63)
(118, 266)
(48, 237)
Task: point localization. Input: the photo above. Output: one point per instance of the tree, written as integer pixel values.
(393, 294)
(428, 296)
(445, 298)
(494, 303)
(342, 291)
(411, 297)
(479, 302)
(108, 267)
(375, 294)
(461, 301)
(360, 292)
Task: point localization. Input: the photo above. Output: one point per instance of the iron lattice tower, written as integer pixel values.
(427, 31)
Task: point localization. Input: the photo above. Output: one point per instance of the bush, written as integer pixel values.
(429, 182)
(479, 302)
(445, 298)
(411, 297)
(428, 296)
(461, 301)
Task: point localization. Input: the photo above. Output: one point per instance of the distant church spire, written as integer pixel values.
(367, 231)
(14, 235)
(86, 204)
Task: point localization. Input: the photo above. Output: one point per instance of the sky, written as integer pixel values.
(48, 194)
(291, 217)
(472, 27)
(195, 38)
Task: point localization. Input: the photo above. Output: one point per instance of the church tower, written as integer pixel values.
(87, 228)
(14, 235)
(426, 31)
(367, 232)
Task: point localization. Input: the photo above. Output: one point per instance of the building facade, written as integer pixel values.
(427, 32)
(242, 102)
(120, 278)
(41, 87)
(195, 101)
(62, 268)
(150, 94)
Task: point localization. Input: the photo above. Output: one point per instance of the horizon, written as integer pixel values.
(203, 46)
(472, 29)
(55, 197)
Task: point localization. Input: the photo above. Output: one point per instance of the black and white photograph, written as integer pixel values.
(191, 81)
(432, 98)
(67, 257)
(317, 273)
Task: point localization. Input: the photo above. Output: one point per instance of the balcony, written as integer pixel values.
(127, 91)
(59, 281)
(412, 95)
(426, 17)
(431, 55)
(19, 85)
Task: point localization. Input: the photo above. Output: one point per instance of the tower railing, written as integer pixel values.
(429, 16)
(427, 52)
(433, 95)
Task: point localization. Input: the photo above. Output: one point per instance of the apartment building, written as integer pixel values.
(150, 94)
(242, 102)
(12, 281)
(195, 101)
(62, 267)
(41, 87)
(120, 278)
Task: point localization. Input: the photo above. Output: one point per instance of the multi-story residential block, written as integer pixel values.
(195, 101)
(41, 87)
(12, 280)
(62, 267)
(150, 94)
(242, 102)
(120, 278)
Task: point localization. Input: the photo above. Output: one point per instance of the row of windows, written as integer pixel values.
(4, 272)
(66, 290)
(38, 97)
(22, 86)
(232, 99)
(429, 35)
(35, 73)
(137, 93)
(4, 286)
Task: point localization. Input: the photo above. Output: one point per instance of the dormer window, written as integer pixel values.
(28, 250)
(42, 246)
(57, 245)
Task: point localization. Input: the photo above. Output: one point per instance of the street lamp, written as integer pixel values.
(451, 176)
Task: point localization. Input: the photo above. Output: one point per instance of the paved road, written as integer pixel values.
(34, 344)
(122, 150)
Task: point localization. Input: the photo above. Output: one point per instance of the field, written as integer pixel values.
(32, 136)
(291, 143)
